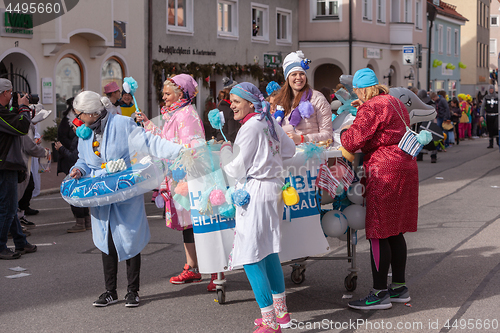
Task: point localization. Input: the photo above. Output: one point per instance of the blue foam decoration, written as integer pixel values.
(178, 174)
(132, 83)
(272, 87)
(214, 118)
(240, 197)
(278, 114)
(424, 137)
(83, 132)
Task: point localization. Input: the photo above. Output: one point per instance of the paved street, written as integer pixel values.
(453, 270)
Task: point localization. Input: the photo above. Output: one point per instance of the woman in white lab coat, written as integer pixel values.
(257, 163)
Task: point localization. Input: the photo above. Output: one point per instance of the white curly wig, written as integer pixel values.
(90, 102)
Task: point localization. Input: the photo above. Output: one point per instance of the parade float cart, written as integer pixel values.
(303, 237)
(303, 227)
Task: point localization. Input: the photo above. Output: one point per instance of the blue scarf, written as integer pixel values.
(251, 93)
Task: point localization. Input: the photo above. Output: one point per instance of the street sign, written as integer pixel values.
(409, 55)
(272, 60)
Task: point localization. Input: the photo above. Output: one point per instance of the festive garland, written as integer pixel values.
(203, 71)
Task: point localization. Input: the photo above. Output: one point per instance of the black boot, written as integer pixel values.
(491, 144)
(420, 157)
(433, 158)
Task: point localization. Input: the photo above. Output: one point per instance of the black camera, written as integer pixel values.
(32, 99)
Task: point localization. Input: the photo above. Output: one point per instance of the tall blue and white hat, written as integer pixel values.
(295, 61)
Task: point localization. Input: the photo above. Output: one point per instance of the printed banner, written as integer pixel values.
(302, 235)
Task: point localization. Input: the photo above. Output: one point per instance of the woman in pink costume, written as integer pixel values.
(182, 124)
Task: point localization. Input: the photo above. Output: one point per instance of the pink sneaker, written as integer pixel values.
(188, 275)
(284, 321)
(267, 329)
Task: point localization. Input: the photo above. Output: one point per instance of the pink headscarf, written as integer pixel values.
(186, 83)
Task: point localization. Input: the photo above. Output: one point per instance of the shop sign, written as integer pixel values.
(16, 25)
(47, 91)
(409, 55)
(180, 51)
(372, 53)
(272, 60)
(119, 35)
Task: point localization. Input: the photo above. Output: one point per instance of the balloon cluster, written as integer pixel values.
(351, 214)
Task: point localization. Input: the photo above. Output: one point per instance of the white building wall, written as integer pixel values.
(86, 32)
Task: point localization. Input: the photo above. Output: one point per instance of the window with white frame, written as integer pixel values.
(480, 13)
(418, 14)
(180, 16)
(440, 39)
(327, 8)
(260, 22)
(227, 19)
(439, 85)
(395, 15)
(493, 46)
(381, 11)
(283, 26)
(494, 20)
(486, 17)
(448, 41)
(486, 55)
(452, 88)
(478, 55)
(408, 11)
(367, 10)
(457, 43)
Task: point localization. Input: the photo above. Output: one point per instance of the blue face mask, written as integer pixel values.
(83, 132)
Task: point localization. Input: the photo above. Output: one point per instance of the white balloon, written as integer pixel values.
(334, 223)
(356, 216)
(355, 193)
(343, 237)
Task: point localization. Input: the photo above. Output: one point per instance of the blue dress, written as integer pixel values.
(125, 220)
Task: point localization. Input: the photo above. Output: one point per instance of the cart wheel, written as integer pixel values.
(221, 296)
(350, 282)
(298, 276)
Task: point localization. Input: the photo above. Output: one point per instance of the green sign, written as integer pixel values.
(272, 61)
(16, 23)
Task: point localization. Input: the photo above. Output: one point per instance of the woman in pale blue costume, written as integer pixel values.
(119, 230)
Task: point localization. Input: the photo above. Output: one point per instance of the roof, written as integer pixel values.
(448, 10)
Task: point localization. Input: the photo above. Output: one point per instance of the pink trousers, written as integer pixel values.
(464, 128)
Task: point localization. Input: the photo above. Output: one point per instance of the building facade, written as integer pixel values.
(445, 65)
(343, 36)
(216, 38)
(91, 44)
(475, 44)
(494, 35)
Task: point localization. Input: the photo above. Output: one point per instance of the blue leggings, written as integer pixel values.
(266, 279)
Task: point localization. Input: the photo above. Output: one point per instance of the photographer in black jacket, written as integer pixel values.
(14, 122)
